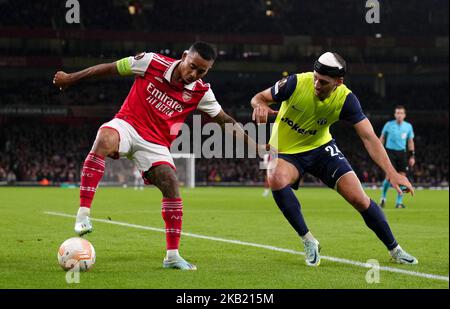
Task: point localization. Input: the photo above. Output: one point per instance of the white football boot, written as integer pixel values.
(312, 252)
(402, 257)
(83, 224)
(178, 263)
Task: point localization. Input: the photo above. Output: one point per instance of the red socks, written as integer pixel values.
(172, 208)
(172, 213)
(92, 173)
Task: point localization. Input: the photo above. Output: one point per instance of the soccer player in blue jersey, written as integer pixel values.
(396, 136)
(311, 103)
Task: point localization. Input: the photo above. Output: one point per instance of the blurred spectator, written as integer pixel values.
(35, 152)
(234, 16)
(232, 95)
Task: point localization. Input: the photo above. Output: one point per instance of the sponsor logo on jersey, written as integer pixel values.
(322, 121)
(294, 126)
(162, 101)
(298, 108)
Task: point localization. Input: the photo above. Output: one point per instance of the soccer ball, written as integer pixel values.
(76, 254)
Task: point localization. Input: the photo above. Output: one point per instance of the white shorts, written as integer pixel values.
(133, 147)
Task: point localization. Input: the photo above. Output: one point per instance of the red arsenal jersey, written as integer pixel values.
(155, 107)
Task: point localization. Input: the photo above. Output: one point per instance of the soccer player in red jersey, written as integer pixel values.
(164, 93)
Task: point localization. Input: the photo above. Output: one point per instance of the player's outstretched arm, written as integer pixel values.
(377, 152)
(63, 80)
(223, 118)
(260, 103)
(236, 130)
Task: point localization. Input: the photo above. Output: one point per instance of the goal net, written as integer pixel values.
(122, 172)
(185, 164)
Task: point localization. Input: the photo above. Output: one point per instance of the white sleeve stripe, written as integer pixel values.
(276, 87)
(160, 62)
(139, 67)
(157, 57)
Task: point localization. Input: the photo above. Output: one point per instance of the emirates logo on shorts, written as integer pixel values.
(187, 96)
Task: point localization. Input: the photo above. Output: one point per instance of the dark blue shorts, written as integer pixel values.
(326, 163)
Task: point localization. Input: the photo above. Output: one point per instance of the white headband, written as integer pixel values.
(330, 60)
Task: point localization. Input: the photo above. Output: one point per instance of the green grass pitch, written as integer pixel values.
(132, 258)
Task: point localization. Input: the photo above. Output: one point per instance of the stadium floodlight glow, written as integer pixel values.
(132, 9)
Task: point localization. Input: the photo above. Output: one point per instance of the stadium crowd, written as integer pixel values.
(251, 16)
(53, 154)
(112, 92)
(36, 150)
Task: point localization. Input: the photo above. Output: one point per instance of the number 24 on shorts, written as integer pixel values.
(334, 151)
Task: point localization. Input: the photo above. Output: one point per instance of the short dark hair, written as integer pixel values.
(401, 107)
(205, 50)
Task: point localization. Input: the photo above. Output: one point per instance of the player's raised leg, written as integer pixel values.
(350, 188)
(106, 144)
(281, 175)
(165, 178)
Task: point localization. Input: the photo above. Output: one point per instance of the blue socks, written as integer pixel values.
(384, 189)
(399, 199)
(373, 216)
(376, 221)
(290, 207)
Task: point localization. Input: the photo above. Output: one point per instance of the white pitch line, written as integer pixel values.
(272, 248)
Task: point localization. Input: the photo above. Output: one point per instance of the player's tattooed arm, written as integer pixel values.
(232, 127)
(64, 80)
(223, 118)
